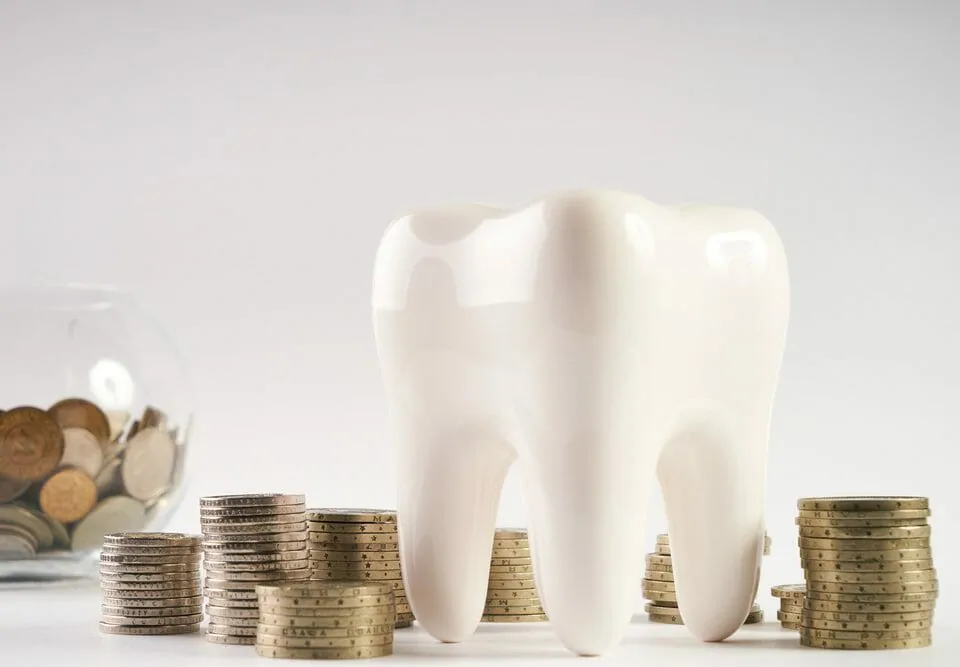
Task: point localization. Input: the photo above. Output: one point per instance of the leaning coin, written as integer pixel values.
(31, 444)
(875, 589)
(82, 450)
(113, 629)
(652, 585)
(249, 513)
(117, 513)
(789, 591)
(883, 533)
(267, 630)
(326, 642)
(350, 515)
(148, 463)
(252, 500)
(316, 622)
(869, 626)
(331, 527)
(521, 618)
(325, 653)
(864, 503)
(152, 620)
(864, 555)
(869, 607)
(80, 413)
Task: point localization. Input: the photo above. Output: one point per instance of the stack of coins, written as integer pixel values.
(73, 473)
(871, 583)
(659, 590)
(358, 545)
(791, 604)
(511, 591)
(150, 584)
(326, 620)
(249, 540)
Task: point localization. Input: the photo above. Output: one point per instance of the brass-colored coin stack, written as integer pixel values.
(871, 583)
(791, 604)
(511, 591)
(73, 473)
(358, 545)
(661, 594)
(326, 620)
(249, 540)
(150, 584)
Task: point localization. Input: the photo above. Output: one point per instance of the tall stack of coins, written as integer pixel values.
(326, 620)
(871, 583)
(659, 590)
(150, 584)
(358, 545)
(511, 591)
(249, 540)
(791, 604)
(73, 473)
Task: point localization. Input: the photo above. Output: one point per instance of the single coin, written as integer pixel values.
(325, 653)
(659, 568)
(498, 554)
(232, 612)
(232, 603)
(161, 582)
(264, 576)
(322, 593)
(349, 515)
(385, 639)
(191, 569)
(357, 565)
(875, 598)
(248, 513)
(755, 616)
(278, 523)
(68, 495)
(875, 589)
(27, 521)
(516, 545)
(656, 559)
(351, 557)
(659, 596)
(660, 608)
(266, 630)
(864, 555)
(31, 444)
(143, 630)
(152, 620)
(147, 596)
(654, 575)
(354, 538)
(509, 562)
(881, 522)
(854, 617)
(258, 558)
(663, 549)
(496, 610)
(186, 555)
(789, 591)
(223, 597)
(154, 539)
(362, 575)
(863, 544)
(148, 463)
(513, 576)
(231, 621)
(382, 607)
(82, 450)
(236, 541)
(108, 478)
(524, 594)
(787, 625)
(117, 420)
(318, 622)
(883, 533)
(153, 418)
(252, 500)
(663, 538)
(225, 548)
(230, 566)
(114, 514)
(147, 612)
(521, 618)
(870, 626)
(668, 618)
(874, 515)
(788, 617)
(11, 489)
(191, 599)
(226, 628)
(510, 584)
(864, 504)
(510, 534)
(360, 547)
(80, 413)
(814, 633)
(857, 577)
(324, 576)
(868, 607)
(331, 527)
(791, 608)
(659, 585)
(518, 569)
(231, 530)
(145, 559)
(14, 545)
(866, 566)
(235, 640)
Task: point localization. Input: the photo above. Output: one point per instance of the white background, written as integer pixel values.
(234, 163)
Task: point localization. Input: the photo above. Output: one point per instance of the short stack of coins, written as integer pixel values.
(326, 620)
(358, 545)
(249, 540)
(511, 591)
(871, 583)
(661, 594)
(791, 604)
(150, 584)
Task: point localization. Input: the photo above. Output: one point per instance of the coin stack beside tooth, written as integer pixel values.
(249, 540)
(659, 590)
(326, 620)
(358, 545)
(791, 604)
(869, 569)
(150, 584)
(511, 591)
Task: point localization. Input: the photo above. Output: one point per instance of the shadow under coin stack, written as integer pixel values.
(150, 584)
(511, 591)
(326, 620)
(871, 583)
(659, 590)
(358, 545)
(791, 604)
(248, 540)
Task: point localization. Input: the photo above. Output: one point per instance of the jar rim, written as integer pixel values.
(62, 296)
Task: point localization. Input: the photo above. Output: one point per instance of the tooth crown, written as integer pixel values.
(601, 340)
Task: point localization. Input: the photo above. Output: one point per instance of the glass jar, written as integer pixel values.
(95, 416)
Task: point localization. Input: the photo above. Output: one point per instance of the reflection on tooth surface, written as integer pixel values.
(600, 340)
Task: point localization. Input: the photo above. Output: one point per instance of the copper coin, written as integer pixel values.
(83, 414)
(31, 444)
(11, 489)
(68, 495)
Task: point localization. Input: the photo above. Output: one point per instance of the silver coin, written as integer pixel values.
(14, 546)
(222, 548)
(226, 597)
(148, 630)
(222, 530)
(225, 566)
(259, 520)
(144, 612)
(240, 540)
(226, 630)
(145, 598)
(30, 521)
(232, 621)
(111, 583)
(112, 515)
(81, 449)
(152, 620)
(233, 604)
(148, 463)
(262, 576)
(219, 611)
(252, 500)
(276, 557)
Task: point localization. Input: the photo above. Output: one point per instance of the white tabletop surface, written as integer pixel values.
(58, 626)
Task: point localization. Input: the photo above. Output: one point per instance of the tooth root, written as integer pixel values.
(713, 489)
(447, 510)
(586, 505)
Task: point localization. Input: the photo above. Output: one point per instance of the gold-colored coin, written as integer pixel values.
(264, 576)
(869, 626)
(814, 633)
(251, 500)
(515, 594)
(265, 630)
(663, 538)
(863, 504)
(791, 608)
(80, 413)
(31, 444)
(68, 495)
(656, 559)
(385, 639)
(350, 556)
(517, 569)
(510, 534)
(350, 515)
(864, 555)
(351, 528)
(320, 606)
(113, 610)
(523, 553)
(510, 576)
(789, 591)
(519, 618)
(882, 533)
(148, 595)
(355, 575)
(659, 596)
(651, 585)
(854, 597)
(358, 652)
(787, 625)
(654, 575)
(356, 621)
(787, 617)
(356, 565)
(856, 577)
(318, 545)
(663, 549)
(323, 594)
(505, 544)
(515, 610)
(370, 610)
(863, 544)
(510, 584)
(875, 589)
(228, 630)
(235, 640)
(755, 616)
(847, 607)
(354, 538)
(152, 620)
(667, 619)
(856, 522)
(659, 568)
(511, 562)
(854, 617)
(141, 568)
(866, 566)
(144, 630)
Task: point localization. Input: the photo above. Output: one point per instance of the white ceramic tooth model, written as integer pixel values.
(603, 341)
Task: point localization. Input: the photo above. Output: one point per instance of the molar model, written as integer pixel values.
(603, 342)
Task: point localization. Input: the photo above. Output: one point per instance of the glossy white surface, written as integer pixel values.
(601, 341)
